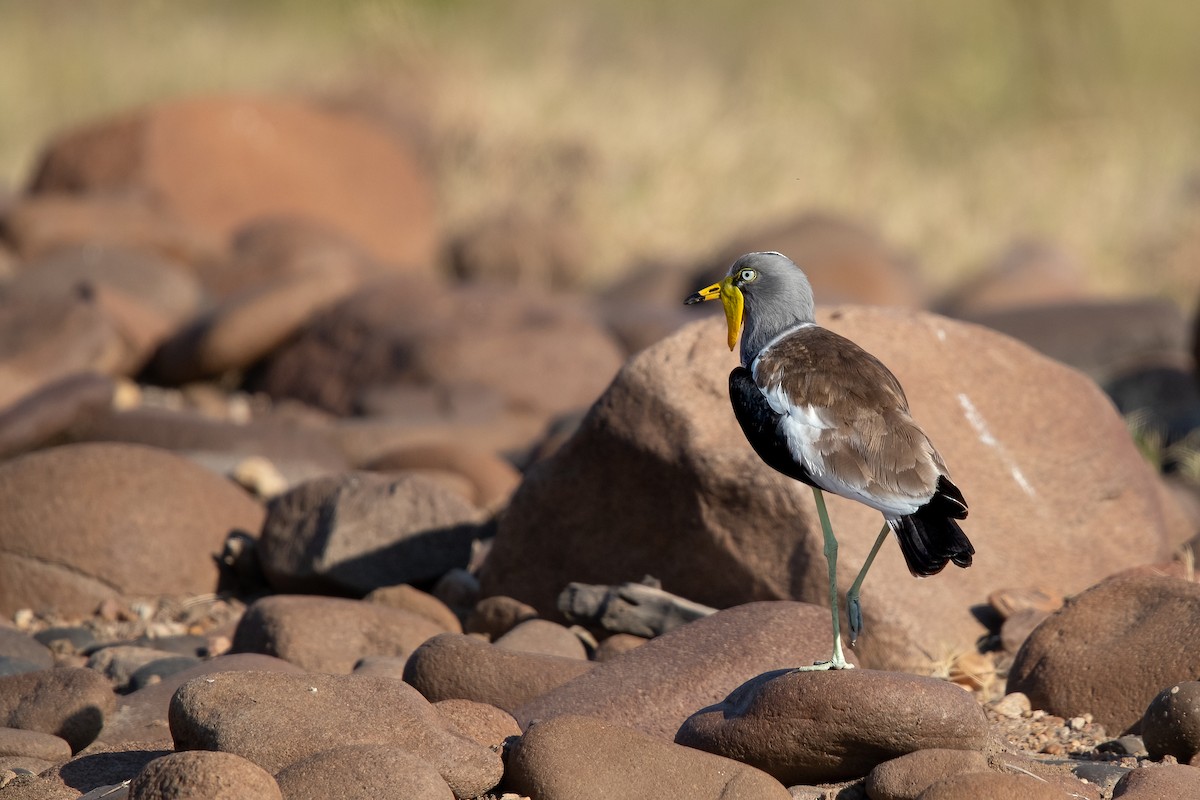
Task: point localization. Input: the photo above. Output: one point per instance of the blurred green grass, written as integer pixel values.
(660, 128)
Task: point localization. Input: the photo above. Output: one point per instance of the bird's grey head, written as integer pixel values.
(777, 296)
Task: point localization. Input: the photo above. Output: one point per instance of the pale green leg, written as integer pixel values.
(838, 661)
(853, 606)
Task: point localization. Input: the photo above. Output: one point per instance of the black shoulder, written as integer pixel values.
(760, 424)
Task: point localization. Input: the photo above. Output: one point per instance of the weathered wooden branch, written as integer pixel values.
(637, 608)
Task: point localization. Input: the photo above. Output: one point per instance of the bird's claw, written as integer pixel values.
(821, 666)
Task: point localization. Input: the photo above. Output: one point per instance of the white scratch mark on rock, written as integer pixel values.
(976, 420)
(980, 425)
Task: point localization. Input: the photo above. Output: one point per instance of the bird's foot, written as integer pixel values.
(834, 663)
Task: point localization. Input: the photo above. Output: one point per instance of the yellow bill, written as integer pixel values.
(732, 300)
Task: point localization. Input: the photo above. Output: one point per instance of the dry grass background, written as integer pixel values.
(661, 127)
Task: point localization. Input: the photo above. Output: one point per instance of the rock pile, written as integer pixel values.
(292, 510)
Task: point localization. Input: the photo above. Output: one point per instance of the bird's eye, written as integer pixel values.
(747, 275)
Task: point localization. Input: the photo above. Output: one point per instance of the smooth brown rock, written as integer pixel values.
(211, 776)
(545, 637)
(155, 281)
(484, 723)
(492, 478)
(459, 590)
(1016, 629)
(44, 224)
(141, 327)
(142, 296)
(497, 615)
(43, 340)
(219, 162)
(363, 772)
(994, 786)
(328, 634)
(119, 662)
(905, 777)
(50, 411)
(247, 327)
(703, 514)
(87, 522)
(656, 687)
(33, 744)
(1013, 705)
(453, 666)
(1011, 601)
(1171, 724)
(275, 720)
(298, 450)
(18, 644)
(1137, 634)
(281, 275)
(581, 758)
(818, 727)
(141, 716)
(354, 532)
(1068, 776)
(1166, 782)
(522, 351)
(408, 598)
(67, 702)
(268, 250)
(618, 644)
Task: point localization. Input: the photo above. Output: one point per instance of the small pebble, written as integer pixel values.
(1013, 706)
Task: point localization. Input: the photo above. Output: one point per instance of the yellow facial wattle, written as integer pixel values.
(735, 306)
(731, 298)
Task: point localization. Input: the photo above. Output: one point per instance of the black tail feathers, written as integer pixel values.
(930, 538)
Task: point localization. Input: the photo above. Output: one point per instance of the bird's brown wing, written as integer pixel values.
(845, 417)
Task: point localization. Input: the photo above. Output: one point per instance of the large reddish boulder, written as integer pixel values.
(660, 480)
(215, 163)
